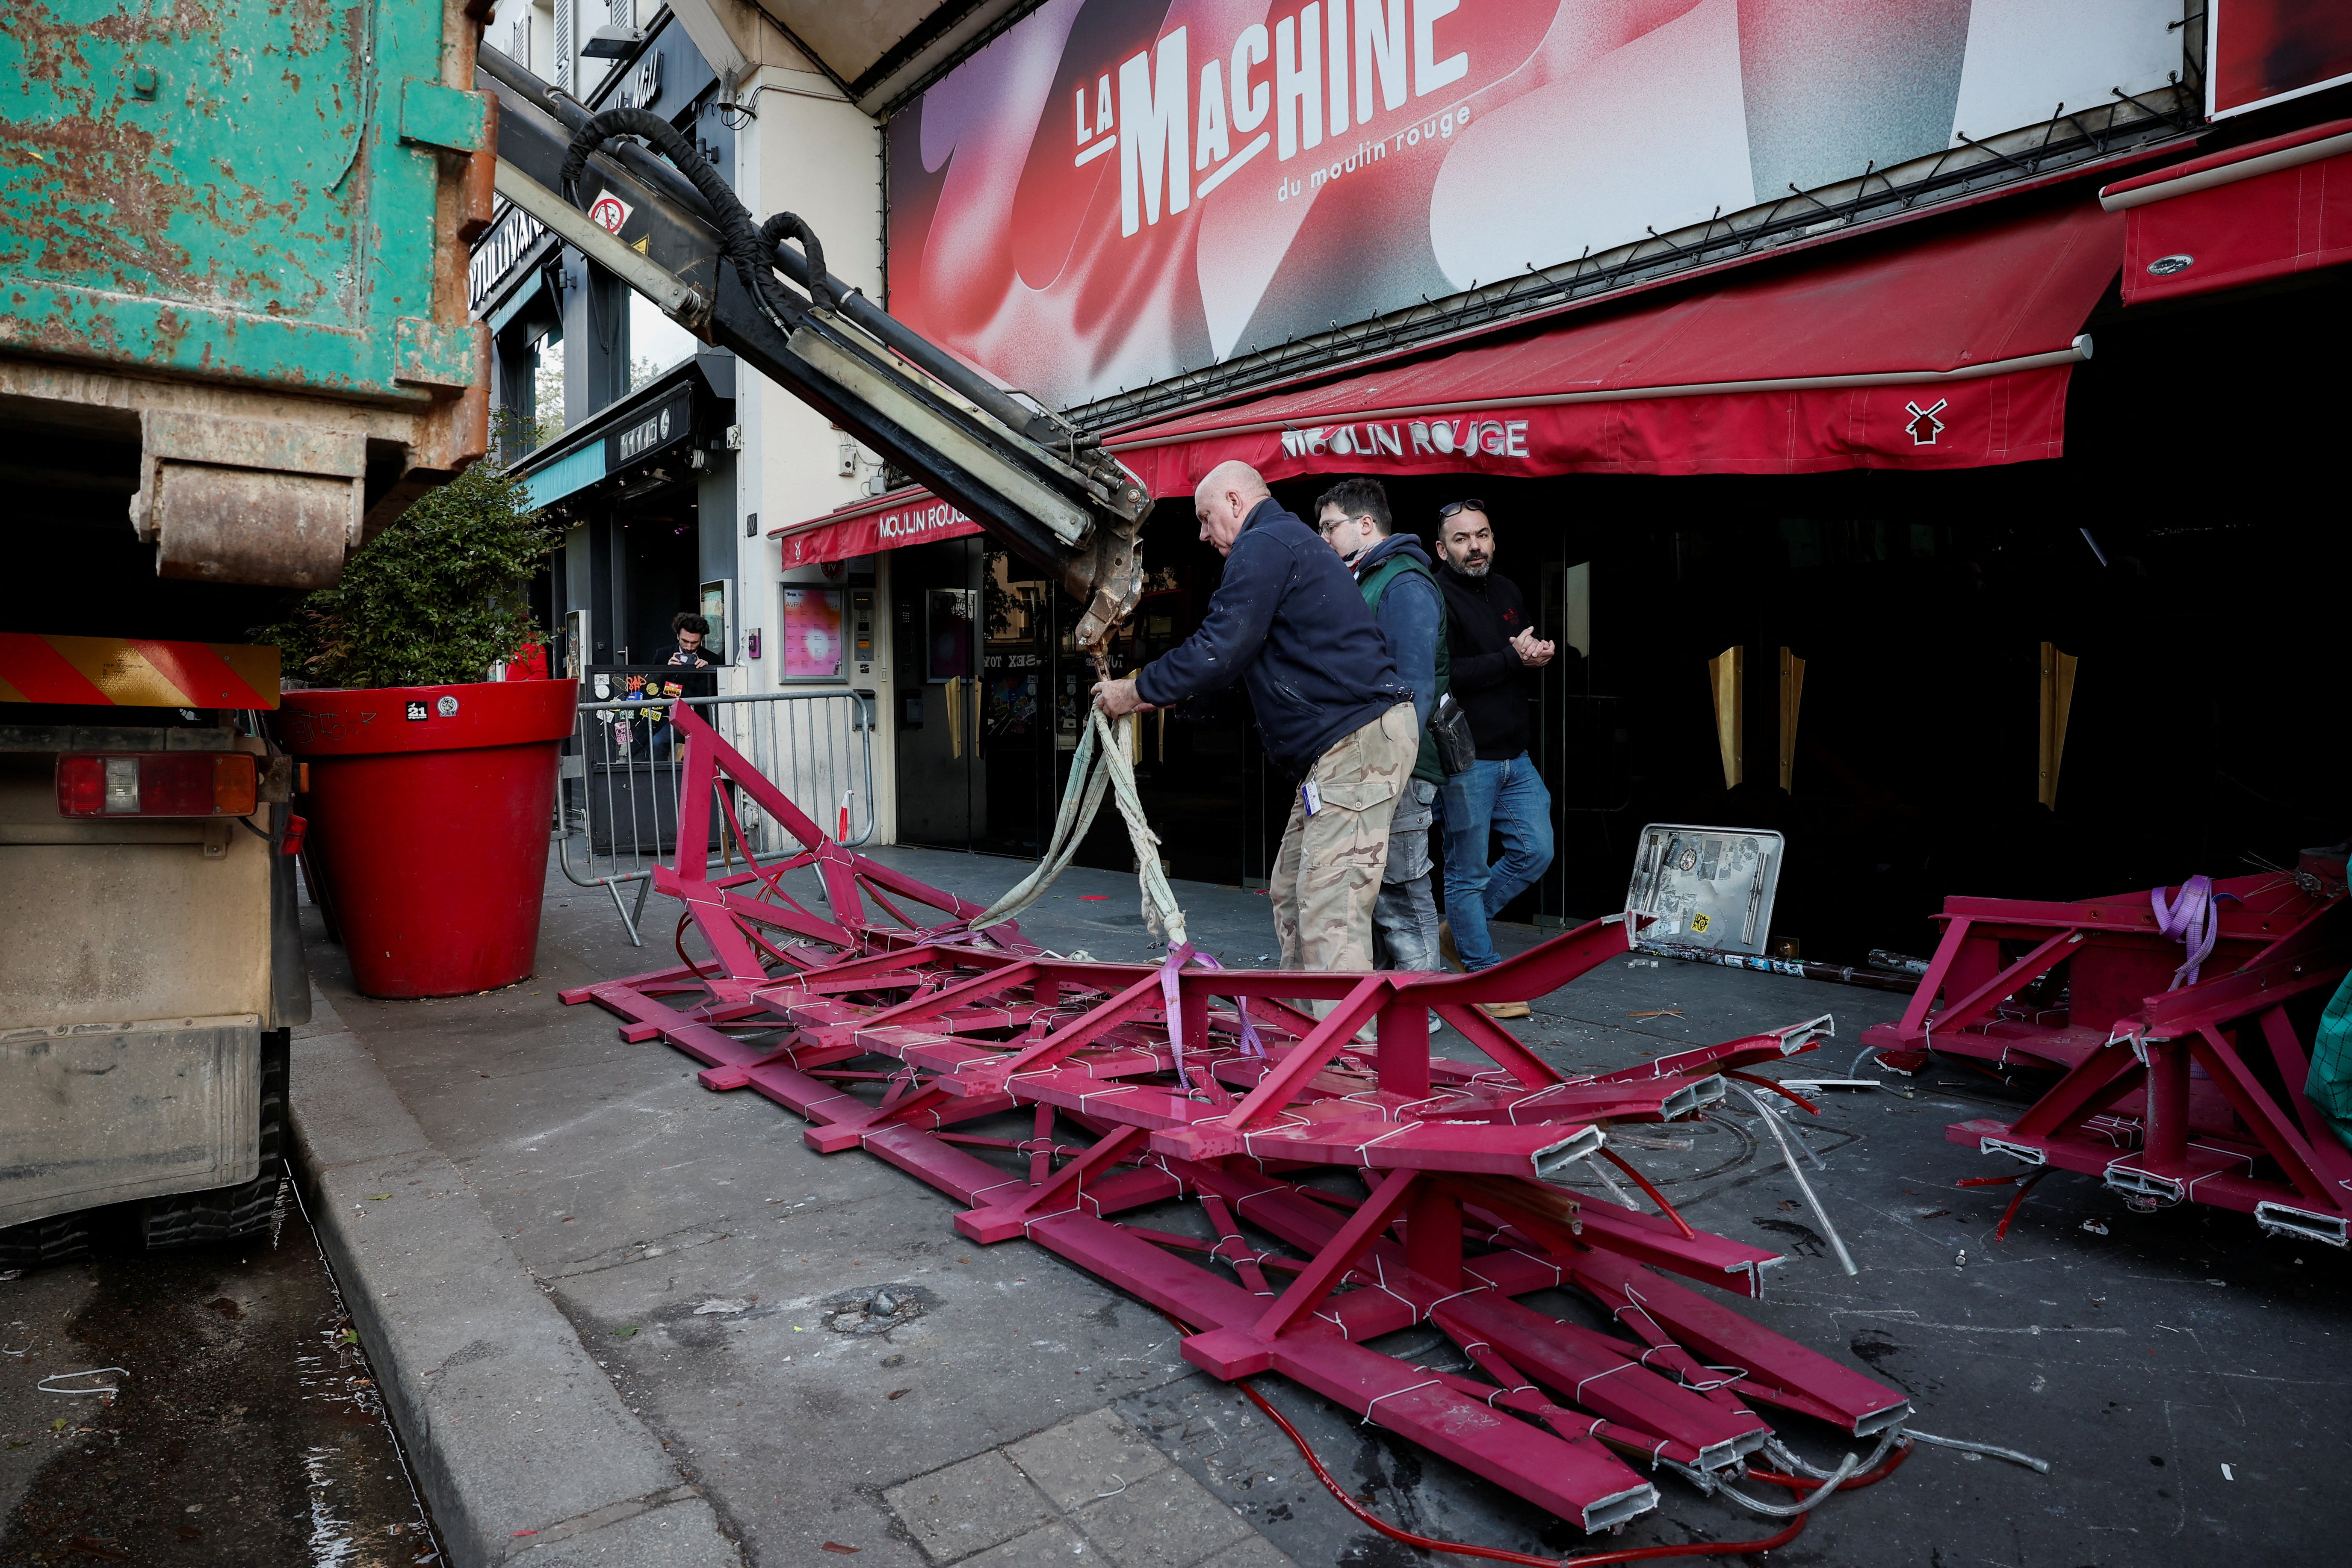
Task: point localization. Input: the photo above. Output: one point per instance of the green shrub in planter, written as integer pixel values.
(434, 600)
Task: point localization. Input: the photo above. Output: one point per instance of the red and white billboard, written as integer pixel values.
(2261, 52)
(1117, 191)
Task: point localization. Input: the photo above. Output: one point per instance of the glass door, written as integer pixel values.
(1016, 706)
(975, 649)
(938, 619)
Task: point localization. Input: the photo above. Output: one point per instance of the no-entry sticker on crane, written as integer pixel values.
(609, 212)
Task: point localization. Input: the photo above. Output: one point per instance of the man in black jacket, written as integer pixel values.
(692, 646)
(1289, 623)
(1491, 644)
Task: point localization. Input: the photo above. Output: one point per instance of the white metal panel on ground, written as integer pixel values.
(1708, 887)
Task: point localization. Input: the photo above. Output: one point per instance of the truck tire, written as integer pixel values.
(60, 1239)
(224, 1213)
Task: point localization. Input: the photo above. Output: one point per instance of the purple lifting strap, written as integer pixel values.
(1177, 958)
(2191, 920)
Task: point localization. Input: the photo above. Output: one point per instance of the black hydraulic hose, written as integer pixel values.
(559, 107)
(914, 347)
(815, 278)
(734, 219)
(741, 241)
(753, 251)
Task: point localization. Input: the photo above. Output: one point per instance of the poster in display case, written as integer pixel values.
(813, 641)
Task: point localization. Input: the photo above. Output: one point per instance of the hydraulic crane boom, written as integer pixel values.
(668, 226)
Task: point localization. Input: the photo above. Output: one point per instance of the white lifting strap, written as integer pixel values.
(1102, 761)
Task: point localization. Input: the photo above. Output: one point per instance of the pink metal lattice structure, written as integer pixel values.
(2167, 1094)
(1191, 1135)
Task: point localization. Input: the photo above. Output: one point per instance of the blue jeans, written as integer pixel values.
(1506, 798)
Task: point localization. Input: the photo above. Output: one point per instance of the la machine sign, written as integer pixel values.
(1116, 191)
(1158, 152)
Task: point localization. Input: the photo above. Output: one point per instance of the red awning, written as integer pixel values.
(885, 522)
(1951, 350)
(2259, 211)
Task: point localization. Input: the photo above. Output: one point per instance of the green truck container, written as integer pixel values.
(233, 246)
(234, 345)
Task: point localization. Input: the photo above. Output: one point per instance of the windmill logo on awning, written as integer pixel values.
(1924, 425)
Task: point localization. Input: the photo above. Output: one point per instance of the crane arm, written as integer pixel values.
(658, 217)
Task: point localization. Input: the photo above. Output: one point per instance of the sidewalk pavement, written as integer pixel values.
(636, 1317)
(519, 1441)
(529, 1216)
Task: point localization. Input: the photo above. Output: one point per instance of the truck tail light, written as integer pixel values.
(157, 784)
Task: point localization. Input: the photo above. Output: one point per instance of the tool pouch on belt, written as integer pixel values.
(1450, 728)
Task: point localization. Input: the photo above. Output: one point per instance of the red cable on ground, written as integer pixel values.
(1592, 1560)
(2024, 1185)
(1656, 1197)
(1498, 1554)
(677, 941)
(1886, 1467)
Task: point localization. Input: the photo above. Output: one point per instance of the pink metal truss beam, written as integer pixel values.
(2165, 1094)
(1193, 1137)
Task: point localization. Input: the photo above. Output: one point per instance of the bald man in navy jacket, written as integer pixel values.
(1289, 623)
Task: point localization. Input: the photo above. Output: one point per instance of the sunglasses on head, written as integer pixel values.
(1450, 507)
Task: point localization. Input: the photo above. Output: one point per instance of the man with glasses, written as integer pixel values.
(1491, 644)
(1393, 571)
(1288, 623)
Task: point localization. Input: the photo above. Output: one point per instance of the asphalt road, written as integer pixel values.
(245, 1430)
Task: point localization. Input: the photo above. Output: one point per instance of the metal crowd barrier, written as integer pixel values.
(616, 794)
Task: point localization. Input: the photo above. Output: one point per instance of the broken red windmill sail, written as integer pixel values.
(1192, 1136)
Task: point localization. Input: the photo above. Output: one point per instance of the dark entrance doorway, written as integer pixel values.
(1886, 702)
(1198, 767)
(984, 769)
(975, 641)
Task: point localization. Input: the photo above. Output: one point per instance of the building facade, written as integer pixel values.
(661, 455)
(1852, 387)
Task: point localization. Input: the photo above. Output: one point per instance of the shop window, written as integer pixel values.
(1018, 683)
(946, 634)
(656, 343)
(1811, 546)
(547, 393)
(813, 639)
(1803, 538)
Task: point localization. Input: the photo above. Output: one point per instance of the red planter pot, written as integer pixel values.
(429, 809)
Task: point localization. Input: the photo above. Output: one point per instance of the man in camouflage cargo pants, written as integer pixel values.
(1289, 623)
(1328, 874)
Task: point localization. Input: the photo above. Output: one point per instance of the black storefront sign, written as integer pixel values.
(650, 432)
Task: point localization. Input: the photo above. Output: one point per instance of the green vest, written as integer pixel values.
(1426, 766)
